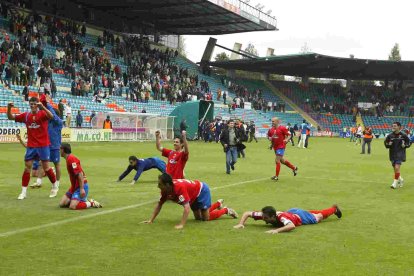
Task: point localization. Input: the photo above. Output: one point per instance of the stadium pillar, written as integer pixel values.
(348, 84)
(305, 80)
(231, 73)
(264, 76)
(237, 47)
(270, 52)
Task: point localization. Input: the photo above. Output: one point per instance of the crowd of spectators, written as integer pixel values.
(150, 73)
(334, 99)
(254, 96)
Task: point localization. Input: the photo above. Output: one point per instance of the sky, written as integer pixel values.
(365, 28)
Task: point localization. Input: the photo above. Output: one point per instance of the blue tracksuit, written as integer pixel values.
(55, 129)
(144, 165)
(303, 128)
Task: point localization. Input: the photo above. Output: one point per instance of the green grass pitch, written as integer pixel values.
(374, 237)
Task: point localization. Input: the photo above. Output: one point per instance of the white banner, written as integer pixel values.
(247, 105)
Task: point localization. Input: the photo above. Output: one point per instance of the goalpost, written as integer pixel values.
(135, 126)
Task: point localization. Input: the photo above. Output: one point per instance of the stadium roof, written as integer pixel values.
(322, 66)
(189, 17)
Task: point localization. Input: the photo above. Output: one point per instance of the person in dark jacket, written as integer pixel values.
(25, 93)
(251, 129)
(244, 137)
(397, 142)
(231, 139)
(292, 133)
(61, 109)
(79, 120)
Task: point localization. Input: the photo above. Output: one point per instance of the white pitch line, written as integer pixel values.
(56, 223)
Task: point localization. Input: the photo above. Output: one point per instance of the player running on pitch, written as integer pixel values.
(397, 142)
(77, 196)
(289, 220)
(37, 141)
(279, 137)
(141, 165)
(191, 194)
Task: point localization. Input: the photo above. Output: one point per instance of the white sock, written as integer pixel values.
(88, 204)
(24, 189)
(56, 184)
(39, 181)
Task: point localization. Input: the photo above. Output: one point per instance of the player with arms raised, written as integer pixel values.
(77, 196)
(38, 143)
(178, 157)
(279, 137)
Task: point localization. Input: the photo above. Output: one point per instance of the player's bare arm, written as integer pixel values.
(21, 140)
(243, 220)
(10, 116)
(81, 188)
(287, 228)
(155, 213)
(185, 143)
(158, 140)
(186, 212)
(49, 114)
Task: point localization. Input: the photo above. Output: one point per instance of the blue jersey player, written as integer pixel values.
(141, 165)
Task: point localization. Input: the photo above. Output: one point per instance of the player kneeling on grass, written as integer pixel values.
(192, 194)
(289, 220)
(77, 195)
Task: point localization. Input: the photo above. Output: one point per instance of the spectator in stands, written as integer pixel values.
(91, 117)
(107, 123)
(224, 96)
(143, 110)
(68, 112)
(61, 108)
(25, 93)
(79, 119)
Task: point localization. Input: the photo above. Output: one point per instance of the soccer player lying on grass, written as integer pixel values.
(192, 194)
(77, 195)
(289, 220)
(141, 165)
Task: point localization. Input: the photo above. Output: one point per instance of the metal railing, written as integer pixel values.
(246, 10)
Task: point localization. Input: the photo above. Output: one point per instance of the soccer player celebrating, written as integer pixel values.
(279, 137)
(289, 220)
(397, 142)
(191, 194)
(37, 141)
(141, 165)
(77, 196)
(55, 135)
(178, 157)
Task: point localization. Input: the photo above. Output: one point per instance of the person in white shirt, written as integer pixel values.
(358, 135)
(68, 112)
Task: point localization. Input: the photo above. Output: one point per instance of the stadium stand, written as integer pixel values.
(88, 72)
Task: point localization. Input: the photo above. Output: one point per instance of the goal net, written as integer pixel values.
(135, 126)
